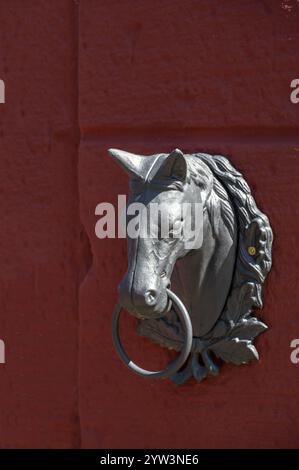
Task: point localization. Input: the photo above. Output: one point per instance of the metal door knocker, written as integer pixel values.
(215, 254)
(178, 362)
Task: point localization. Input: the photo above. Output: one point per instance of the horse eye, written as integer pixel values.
(177, 224)
(176, 227)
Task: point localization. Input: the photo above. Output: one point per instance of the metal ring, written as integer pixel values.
(175, 365)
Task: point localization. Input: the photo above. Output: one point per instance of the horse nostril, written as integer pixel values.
(150, 297)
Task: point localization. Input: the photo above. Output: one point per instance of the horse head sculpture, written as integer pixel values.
(193, 290)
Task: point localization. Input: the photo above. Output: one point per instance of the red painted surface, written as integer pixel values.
(142, 76)
(40, 227)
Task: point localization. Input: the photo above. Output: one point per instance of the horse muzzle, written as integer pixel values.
(144, 302)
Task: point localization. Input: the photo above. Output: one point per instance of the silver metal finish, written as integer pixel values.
(174, 366)
(219, 282)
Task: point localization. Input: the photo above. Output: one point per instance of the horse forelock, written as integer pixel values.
(200, 174)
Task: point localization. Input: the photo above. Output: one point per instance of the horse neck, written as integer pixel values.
(203, 277)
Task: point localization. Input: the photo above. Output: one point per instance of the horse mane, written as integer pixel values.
(253, 258)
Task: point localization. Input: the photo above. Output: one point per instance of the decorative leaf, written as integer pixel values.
(257, 296)
(248, 329)
(235, 351)
(166, 331)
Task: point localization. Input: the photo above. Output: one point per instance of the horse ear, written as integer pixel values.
(136, 166)
(174, 166)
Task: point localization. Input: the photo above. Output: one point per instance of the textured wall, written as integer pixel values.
(40, 229)
(142, 76)
(199, 75)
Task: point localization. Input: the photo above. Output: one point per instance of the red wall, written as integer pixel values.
(146, 77)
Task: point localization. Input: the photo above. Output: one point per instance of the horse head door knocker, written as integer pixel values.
(215, 283)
